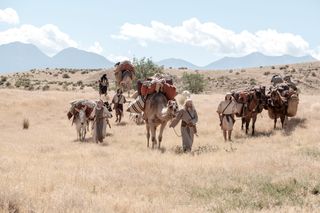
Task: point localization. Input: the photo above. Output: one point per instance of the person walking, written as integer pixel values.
(189, 118)
(226, 111)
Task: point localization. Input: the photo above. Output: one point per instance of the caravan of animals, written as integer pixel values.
(104, 165)
(154, 102)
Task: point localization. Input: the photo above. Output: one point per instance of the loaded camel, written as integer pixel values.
(158, 111)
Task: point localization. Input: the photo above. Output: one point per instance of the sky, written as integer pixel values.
(199, 31)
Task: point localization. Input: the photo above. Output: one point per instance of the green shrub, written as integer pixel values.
(46, 87)
(194, 82)
(23, 82)
(145, 68)
(65, 75)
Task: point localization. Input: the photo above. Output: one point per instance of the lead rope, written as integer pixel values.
(176, 132)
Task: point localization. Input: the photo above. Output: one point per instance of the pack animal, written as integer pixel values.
(276, 106)
(158, 111)
(81, 122)
(250, 102)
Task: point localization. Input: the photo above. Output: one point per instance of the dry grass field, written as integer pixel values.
(44, 169)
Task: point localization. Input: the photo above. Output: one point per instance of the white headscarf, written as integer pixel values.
(189, 100)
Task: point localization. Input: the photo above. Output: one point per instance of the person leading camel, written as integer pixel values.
(189, 118)
(226, 111)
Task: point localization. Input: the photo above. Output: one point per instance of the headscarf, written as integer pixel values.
(188, 101)
(228, 96)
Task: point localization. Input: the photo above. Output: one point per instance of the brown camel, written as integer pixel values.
(158, 111)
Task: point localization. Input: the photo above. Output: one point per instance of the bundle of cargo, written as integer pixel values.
(79, 104)
(150, 86)
(136, 106)
(293, 102)
(121, 68)
(159, 85)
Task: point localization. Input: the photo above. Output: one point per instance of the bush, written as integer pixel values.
(23, 82)
(266, 73)
(79, 83)
(194, 82)
(65, 75)
(46, 87)
(25, 124)
(3, 79)
(145, 68)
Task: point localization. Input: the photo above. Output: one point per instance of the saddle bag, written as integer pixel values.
(136, 106)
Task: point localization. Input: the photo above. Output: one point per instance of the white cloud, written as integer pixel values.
(9, 16)
(316, 53)
(116, 58)
(216, 38)
(96, 48)
(49, 38)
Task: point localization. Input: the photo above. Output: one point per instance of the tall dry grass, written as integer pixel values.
(45, 170)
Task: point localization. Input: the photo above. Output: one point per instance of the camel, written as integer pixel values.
(158, 111)
(124, 74)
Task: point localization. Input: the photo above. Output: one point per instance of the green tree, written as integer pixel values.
(145, 68)
(194, 82)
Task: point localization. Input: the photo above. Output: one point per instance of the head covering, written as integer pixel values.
(228, 96)
(188, 101)
(119, 90)
(100, 103)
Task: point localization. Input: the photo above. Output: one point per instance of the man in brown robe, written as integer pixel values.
(99, 121)
(189, 117)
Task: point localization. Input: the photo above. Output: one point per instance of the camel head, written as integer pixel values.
(172, 107)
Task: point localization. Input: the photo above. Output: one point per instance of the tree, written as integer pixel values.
(145, 68)
(194, 82)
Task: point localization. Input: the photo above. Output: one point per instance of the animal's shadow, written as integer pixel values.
(122, 123)
(293, 123)
(256, 134)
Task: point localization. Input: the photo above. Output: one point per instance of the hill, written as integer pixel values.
(19, 56)
(255, 60)
(176, 63)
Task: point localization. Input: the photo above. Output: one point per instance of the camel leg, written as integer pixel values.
(282, 117)
(153, 135)
(163, 125)
(242, 123)
(275, 122)
(148, 133)
(247, 124)
(254, 119)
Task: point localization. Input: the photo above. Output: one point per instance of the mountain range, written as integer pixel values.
(255, 59)
(19, 56)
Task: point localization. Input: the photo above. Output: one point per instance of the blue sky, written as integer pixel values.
(198, 31)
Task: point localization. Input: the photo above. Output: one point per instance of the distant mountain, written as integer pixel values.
(75, 58)
(17, 56)
(255, 60)
(176, 63)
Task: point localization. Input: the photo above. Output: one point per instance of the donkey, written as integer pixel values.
(249, 103)
(158, 111)
(81, 121)
(277, 107)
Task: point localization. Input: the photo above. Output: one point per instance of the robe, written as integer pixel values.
(187, 126)
(227, 111)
